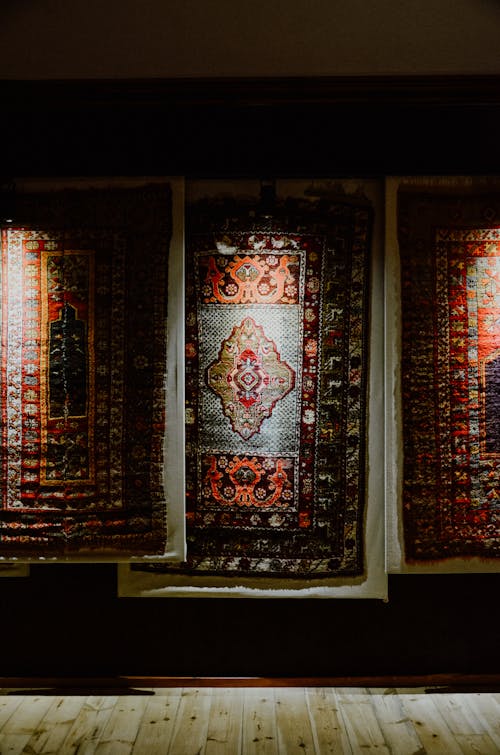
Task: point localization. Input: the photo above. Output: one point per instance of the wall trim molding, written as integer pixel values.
(306, 126)
(471, 89)
(126, 684)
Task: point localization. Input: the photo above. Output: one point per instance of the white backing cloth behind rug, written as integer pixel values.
(14, 570)
(171, 497)
(439, 186)
(135, 582)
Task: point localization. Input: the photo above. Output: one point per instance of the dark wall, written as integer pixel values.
(66, 619)
(168, 38)
(368, 126)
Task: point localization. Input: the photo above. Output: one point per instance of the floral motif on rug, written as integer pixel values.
(276, 376)
(83, 367)
(450, 272)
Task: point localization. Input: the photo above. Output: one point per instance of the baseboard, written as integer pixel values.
(122, 684)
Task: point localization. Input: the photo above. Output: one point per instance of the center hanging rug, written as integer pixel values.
(276, 384)
(83, 362)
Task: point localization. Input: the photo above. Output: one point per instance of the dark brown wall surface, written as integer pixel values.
(168, 38)
(66, 619)
(367, 126)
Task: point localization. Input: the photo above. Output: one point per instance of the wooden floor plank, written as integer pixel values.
(225, 726)
(360, 721)
(495, 696)
(120, 732)
(252, 721)
(8, 705)
(293, 724)
(487, 710)
(191, 724)
(84, 735)
(260, 736)
(19, 728)
(328, 728)
(53, 729)
(459, 716)
(477, 744)
(399, 733)
(432, 729)
(157, 726)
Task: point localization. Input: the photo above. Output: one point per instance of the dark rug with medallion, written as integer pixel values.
(276, 388)
(450, 295)
(83, 361)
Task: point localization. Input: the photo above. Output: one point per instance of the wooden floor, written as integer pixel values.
(209, 721)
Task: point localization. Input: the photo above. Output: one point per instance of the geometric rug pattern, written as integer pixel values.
(83, 360)
(276, 389)
(450, 283)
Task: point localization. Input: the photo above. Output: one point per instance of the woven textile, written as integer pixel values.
(276, 371)
(83, 365)
(450, 283)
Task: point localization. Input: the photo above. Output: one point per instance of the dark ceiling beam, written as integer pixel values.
(471, 90)
(366, 126)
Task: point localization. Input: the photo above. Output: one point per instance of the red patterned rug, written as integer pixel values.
(450, 257)
(276, 375)
(83, 367)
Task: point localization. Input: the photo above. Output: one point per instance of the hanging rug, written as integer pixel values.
(276, 384)
(450, 283)
(83, 361)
